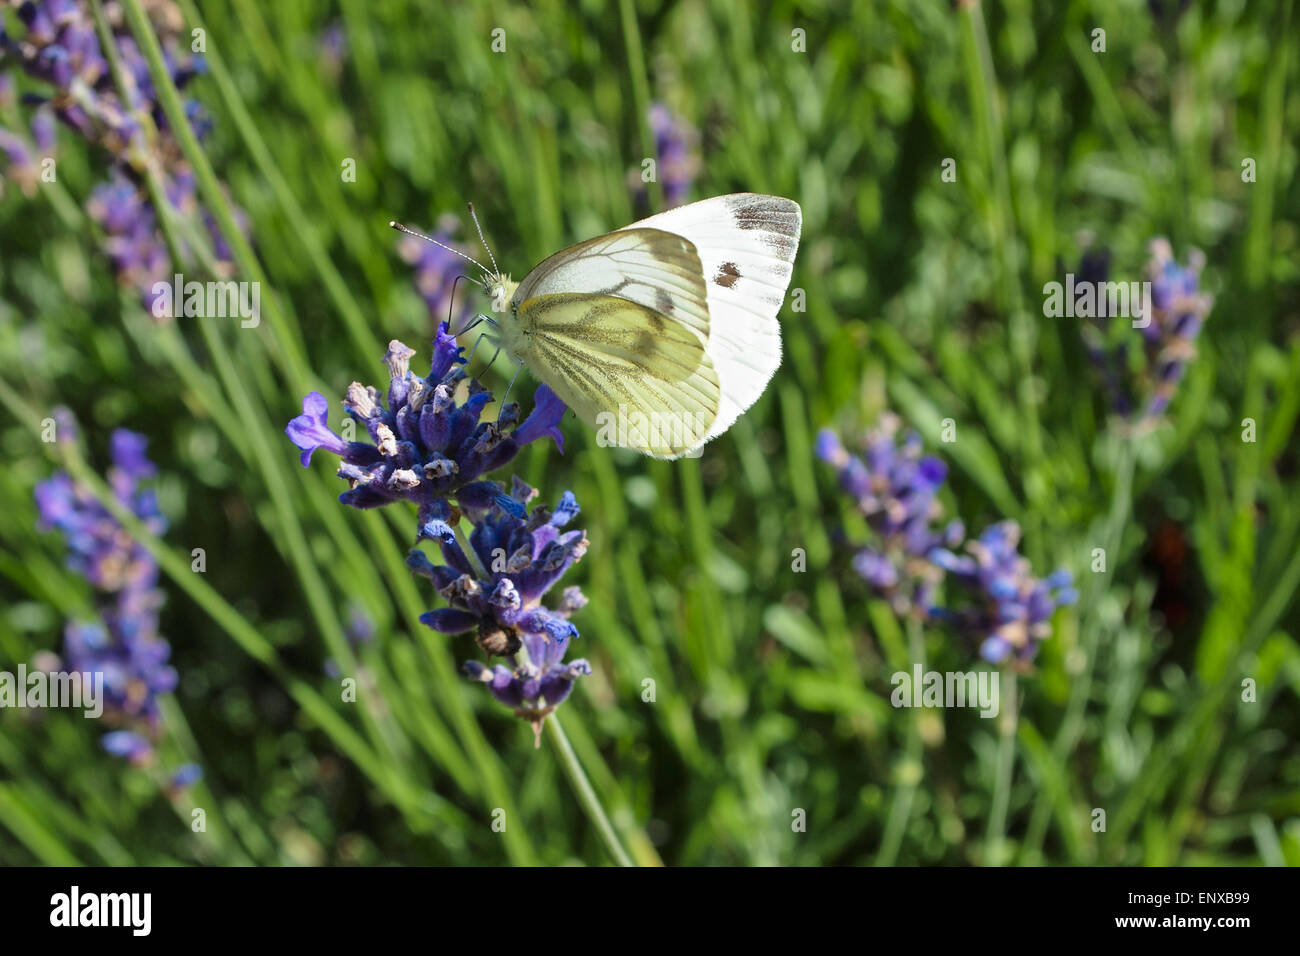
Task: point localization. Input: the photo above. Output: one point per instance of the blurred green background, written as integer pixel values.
(772, 686)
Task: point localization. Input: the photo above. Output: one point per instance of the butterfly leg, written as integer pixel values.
(474, 349)
(508, 388)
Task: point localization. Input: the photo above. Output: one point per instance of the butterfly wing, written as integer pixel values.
(618, 327)
(641, 380)
(746, 244)
(655, 269)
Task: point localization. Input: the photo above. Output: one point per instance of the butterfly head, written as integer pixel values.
(500, 290)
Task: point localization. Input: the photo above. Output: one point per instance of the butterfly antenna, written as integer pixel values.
(473, 215)
(394, 224)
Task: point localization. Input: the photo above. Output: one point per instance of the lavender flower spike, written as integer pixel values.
(1012, 610)
(522, 558)
(426, 445)
(123, 644)
(895, 488)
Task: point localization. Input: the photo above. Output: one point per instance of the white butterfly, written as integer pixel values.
(660, 334)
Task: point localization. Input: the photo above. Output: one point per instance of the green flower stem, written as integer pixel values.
(639, 845)
(908, 778)
(568, 759)
(26, 824)
(586, 795)
(220, 837)
(1076, 707)
(994, 834)
(985, 104)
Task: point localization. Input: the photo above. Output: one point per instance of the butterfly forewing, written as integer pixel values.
(746, 244)
(656, 269)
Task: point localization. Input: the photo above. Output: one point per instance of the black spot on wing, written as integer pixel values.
(663, 302)
(727, 275)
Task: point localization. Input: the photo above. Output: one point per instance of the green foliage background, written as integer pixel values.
(772, 687)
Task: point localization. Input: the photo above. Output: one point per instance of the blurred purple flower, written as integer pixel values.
(1140, 392)
(128, 744)
(122, 644)
(99, 548)
(332, 49)
(359, 628)
(65, 425)
(18, 162)
(185, 776)
(894, 486)
(677, 160)
(1011, 611)
(1178, 311)
(61, 48)
(1006, 610)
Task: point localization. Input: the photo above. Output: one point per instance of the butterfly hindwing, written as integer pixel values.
(641, 379)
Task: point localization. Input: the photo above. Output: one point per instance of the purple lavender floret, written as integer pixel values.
(122, 644)
(536, 687)
(100, 549)
(61, 48)
(1012, 610)
(1178, 311)
(131, 237)
(994, 599)
(125, 647)
(332, 49)
(894, 486)
(677, 161)
(127, 743)
(185, 776)
(426, 446)
(1174, 317)
(18, 162)
(524, 555)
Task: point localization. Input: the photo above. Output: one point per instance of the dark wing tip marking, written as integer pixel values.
(767, 212)
(777, 218)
